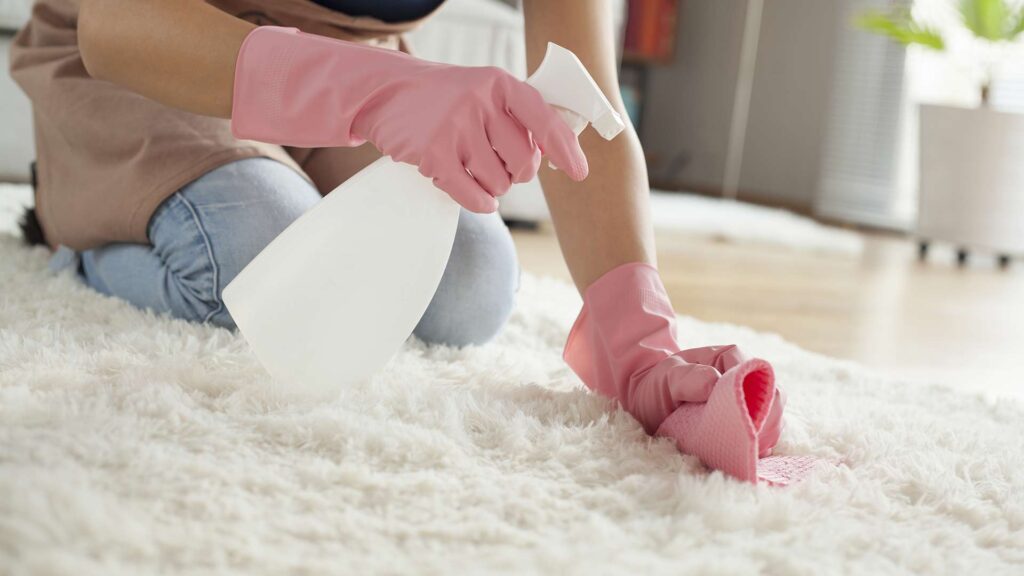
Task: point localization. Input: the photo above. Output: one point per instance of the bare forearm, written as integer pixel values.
(603, 221)
(178, 52)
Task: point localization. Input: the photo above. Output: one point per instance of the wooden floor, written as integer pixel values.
(930, 322)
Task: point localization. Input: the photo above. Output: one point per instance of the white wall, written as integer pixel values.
(689, 103)
(16, 145)
(789, 104)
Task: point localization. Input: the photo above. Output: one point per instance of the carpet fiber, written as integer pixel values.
(136, 444)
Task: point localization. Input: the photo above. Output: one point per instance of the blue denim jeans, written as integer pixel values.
(204, 234)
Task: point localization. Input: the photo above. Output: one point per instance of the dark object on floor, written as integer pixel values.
(521, 224)
(961, 257)
(31, 231)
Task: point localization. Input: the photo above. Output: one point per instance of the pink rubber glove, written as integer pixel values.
(475, 131)
(716, 404)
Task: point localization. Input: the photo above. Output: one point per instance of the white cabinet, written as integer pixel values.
(972, 179)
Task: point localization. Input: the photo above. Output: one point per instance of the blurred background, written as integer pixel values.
(846, 173)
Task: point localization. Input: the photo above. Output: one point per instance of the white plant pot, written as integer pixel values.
(972, 179)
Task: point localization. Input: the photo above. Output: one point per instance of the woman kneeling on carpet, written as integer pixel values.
(177, 138)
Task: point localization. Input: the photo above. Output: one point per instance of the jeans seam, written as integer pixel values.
(209, 252)
(165, 206)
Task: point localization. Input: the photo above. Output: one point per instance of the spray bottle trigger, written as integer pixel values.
(565, 85)
(575, 122)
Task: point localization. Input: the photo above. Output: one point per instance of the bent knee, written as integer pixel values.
(477, 291)
(221, 222)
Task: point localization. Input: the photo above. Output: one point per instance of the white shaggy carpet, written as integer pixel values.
(743, 223)
(135, 444)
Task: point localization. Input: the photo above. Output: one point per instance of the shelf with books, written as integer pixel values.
(649, 41)
(650, 31)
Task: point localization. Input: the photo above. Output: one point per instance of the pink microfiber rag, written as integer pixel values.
(716, 403)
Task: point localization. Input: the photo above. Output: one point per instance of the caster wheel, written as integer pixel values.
(961, 257)
(922, 250)
(1004, 261)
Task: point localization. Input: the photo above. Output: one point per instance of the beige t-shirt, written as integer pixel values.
(106, 156)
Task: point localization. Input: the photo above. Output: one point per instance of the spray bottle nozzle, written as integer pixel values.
(565, 84)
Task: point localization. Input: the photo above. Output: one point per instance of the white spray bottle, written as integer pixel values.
(336, 294)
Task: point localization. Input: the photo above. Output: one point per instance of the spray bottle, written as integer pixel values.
(335, 295)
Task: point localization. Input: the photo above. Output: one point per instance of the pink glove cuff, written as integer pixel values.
(629, 307)
(287, 91)
(714, 401)
(261, 71)
(623, 345)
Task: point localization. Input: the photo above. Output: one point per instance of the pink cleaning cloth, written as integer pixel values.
(785, 470)
(724, 431)
(714, 402)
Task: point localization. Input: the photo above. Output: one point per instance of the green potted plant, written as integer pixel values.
(971, 174)
(992, 22)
